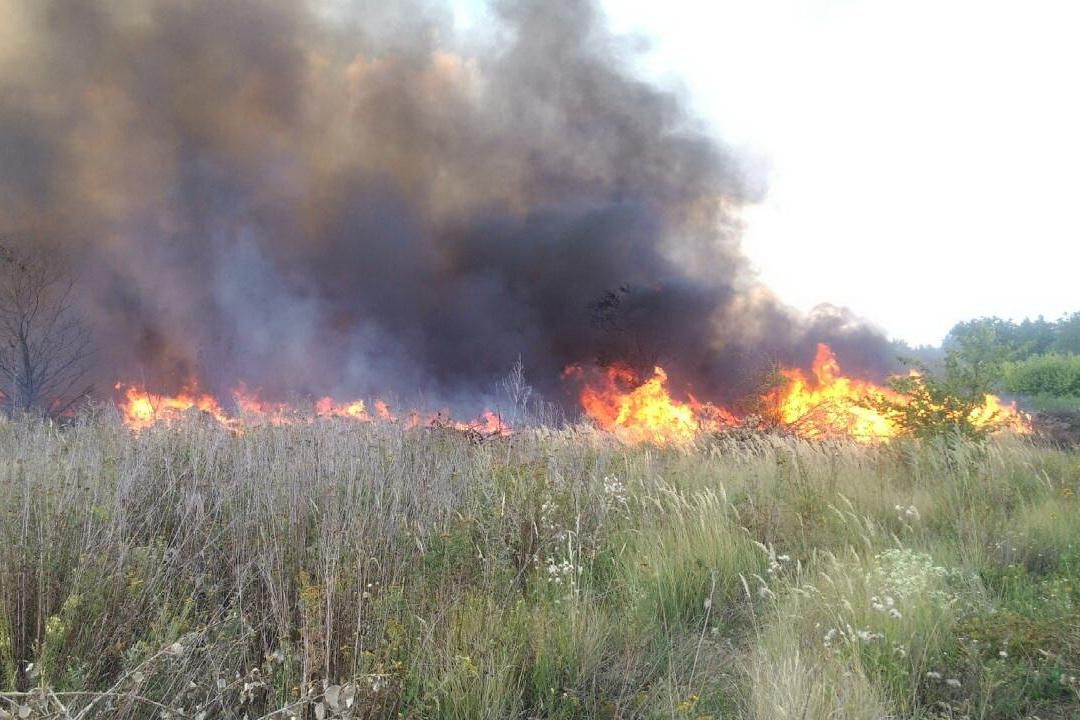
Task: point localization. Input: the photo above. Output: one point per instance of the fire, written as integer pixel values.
(1007, 415)
(830, 404)
(141, 408)
(355, 410)
(645, 411)
(822, 404)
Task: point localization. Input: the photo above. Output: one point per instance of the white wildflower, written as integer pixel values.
(907, 573)
(614, 489)
(906, 512)
(559, 571)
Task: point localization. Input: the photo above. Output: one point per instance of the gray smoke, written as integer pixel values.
(327, 200)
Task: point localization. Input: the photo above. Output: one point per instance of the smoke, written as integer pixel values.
(317, 199)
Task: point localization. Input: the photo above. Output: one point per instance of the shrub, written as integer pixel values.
(1046, 375)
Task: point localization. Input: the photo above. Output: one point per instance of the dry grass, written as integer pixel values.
(373, 571)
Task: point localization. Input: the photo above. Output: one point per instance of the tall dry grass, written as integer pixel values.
(346, 570)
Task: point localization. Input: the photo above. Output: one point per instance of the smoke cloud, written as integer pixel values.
(320, 199)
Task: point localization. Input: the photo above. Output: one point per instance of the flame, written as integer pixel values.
(355, 410)
(141, 409)
(644, 411)
(1009, 418)
(254, 409)
(822, 404)
(831, 404)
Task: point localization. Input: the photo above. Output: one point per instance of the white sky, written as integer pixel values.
(924, 154)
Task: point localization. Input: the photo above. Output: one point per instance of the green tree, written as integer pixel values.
(1035, 337)
(976, 356)
(932, 407)
(950, 403)
(1067, 335)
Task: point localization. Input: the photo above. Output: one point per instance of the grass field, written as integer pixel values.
(344, 570)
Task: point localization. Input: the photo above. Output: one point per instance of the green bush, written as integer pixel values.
(1046, 375)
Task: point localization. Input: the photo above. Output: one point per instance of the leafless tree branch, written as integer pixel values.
(45, 348)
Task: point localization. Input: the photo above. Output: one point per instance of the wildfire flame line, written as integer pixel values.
(141, 409)
(823, 404)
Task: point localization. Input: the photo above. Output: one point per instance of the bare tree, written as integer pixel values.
(44, 345)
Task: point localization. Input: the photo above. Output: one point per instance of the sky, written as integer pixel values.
(923, 156)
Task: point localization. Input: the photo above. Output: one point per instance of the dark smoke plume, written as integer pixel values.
(318, 200)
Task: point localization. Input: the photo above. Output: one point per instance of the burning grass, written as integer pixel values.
(377, 570)
(141, 408)
(824, 403)
(636, 409)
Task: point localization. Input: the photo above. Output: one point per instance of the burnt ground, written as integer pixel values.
(1061, 427)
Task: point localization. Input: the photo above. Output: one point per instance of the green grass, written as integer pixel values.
(375, 571)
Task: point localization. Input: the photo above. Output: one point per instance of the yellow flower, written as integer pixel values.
(688, 704)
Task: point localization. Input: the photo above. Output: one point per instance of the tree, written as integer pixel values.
(1036, 336)
(933, 407)
(952, 403)
(1067, 339)
(44, 345)
(976, 353)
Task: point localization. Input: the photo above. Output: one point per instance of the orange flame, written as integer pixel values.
(355, 410)
(645, 411)
(141, 408)
(992, 411)
(825, 404)
(831, 405)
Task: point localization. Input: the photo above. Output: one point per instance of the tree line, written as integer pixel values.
(1037, 358)
(1021, 340)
